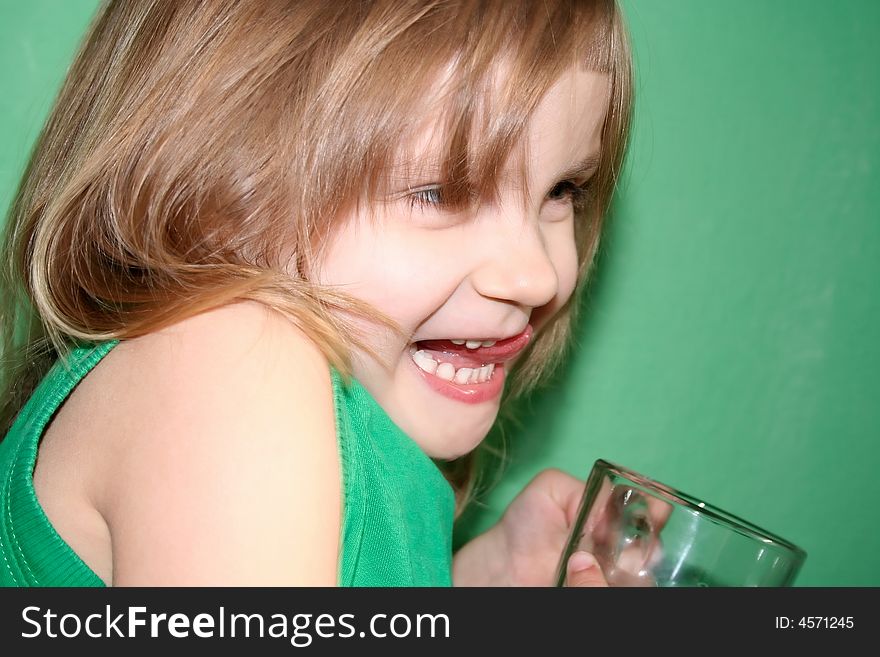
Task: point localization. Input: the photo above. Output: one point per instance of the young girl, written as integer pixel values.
(269, 271)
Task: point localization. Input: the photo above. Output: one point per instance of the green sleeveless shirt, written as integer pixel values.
(398, 507)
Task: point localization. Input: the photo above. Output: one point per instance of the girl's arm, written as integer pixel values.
(225, 468)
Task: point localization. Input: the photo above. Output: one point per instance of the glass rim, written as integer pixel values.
(701, 507)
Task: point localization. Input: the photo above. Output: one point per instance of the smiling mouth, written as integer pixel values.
(452, 360)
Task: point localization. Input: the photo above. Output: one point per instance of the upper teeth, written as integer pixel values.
(473, 344)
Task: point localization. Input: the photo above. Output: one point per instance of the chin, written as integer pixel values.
(444, 429)
(449, 448)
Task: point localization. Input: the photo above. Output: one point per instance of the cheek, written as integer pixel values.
(411, 272)
(397, 272)
(565, 259)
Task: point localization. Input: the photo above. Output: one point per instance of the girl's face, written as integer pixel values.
(495, 273)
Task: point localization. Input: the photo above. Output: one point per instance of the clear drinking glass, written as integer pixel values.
(644, 533)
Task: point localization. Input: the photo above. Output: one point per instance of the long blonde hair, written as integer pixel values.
(198, 146)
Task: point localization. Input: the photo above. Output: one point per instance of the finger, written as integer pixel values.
(565, 489)
(582, 570)
(660, 511)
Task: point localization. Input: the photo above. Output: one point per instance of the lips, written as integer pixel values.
(460, 356)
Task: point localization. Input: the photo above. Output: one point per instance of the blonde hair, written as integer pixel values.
(199, 151)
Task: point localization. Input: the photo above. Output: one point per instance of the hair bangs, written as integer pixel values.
(471, 93)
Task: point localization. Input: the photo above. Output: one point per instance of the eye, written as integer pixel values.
(569, 191)
(425, 197)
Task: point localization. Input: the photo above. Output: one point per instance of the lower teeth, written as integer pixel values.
(447, 372)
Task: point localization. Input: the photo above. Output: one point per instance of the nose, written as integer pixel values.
(516, 266)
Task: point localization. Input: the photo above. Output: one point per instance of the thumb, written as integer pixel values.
(582, 570)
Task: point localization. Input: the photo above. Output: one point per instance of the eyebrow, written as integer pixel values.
(587, 165)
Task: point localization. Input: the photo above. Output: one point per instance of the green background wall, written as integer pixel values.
(730, 345)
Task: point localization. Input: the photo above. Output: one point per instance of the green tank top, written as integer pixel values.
(398, 507)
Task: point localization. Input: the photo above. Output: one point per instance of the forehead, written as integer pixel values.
(565, 124)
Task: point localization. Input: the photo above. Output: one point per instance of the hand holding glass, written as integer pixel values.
(644, 533)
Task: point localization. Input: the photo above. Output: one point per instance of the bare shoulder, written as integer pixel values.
(236, 335)
(221, 463)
